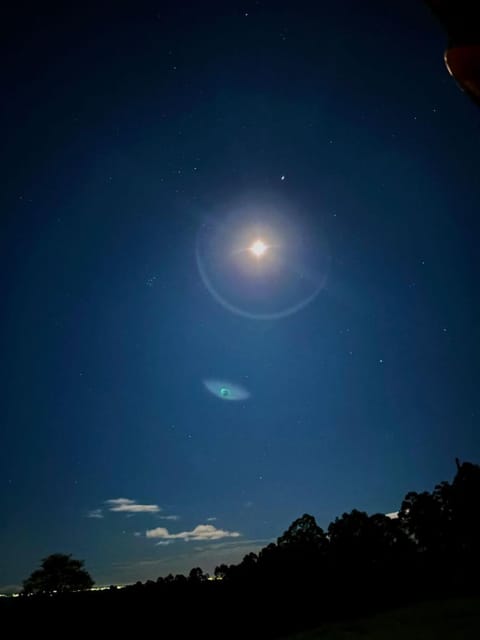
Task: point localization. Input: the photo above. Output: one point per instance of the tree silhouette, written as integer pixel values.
(425, 517)
(356, 535)
(59, 573)
(221, 572)
(196, 575)
(365, 552)
(463, 497)
(303, 532)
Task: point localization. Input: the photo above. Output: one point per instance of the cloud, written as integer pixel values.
(125, 505)
(233, 545)
(172, 518)
(393, 515)
(204, 532)
(211, 519)
(95, 513)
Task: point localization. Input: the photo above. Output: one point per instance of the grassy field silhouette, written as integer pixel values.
(453, 619)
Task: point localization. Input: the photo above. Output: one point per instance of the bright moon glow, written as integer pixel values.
(258, 248)
(261, 268)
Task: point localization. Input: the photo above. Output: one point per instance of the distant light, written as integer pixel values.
(258, 248)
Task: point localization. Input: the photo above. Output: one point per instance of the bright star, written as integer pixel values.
(258, 248)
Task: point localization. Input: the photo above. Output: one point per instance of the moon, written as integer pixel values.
(258, 248)
(261, 263)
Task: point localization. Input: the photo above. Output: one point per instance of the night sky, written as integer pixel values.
(154, 418)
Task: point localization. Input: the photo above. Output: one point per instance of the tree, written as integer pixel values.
(300, 553)
(359, 542)
(59, 573)
(304, 532)
(196, 575)
(464, 496)
(426, 518)
(180, 579)
(221, 572)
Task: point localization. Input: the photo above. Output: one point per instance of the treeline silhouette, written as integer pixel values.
(359, 565)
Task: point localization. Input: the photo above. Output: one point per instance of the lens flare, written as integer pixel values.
(226, 390)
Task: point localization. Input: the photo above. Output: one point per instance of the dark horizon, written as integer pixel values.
(416, 570)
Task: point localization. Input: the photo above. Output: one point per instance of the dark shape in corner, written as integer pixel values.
(462, 55)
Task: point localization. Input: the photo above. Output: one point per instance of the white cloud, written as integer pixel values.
(137, 534)
(211, 519)
(125, 505)
(95, 513)
(393, 515)
(172, 518)
(200, 532)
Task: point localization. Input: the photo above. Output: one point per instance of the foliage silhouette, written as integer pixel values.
(303, 532)
(197, 576)
(60, 573)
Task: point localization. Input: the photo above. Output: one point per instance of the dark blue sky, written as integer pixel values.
(125, 129)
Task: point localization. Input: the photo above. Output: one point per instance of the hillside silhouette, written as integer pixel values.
(361, 564)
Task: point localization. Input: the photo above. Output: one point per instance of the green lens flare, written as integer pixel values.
(224, 390)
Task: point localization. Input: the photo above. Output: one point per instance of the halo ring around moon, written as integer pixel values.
(283, 312)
